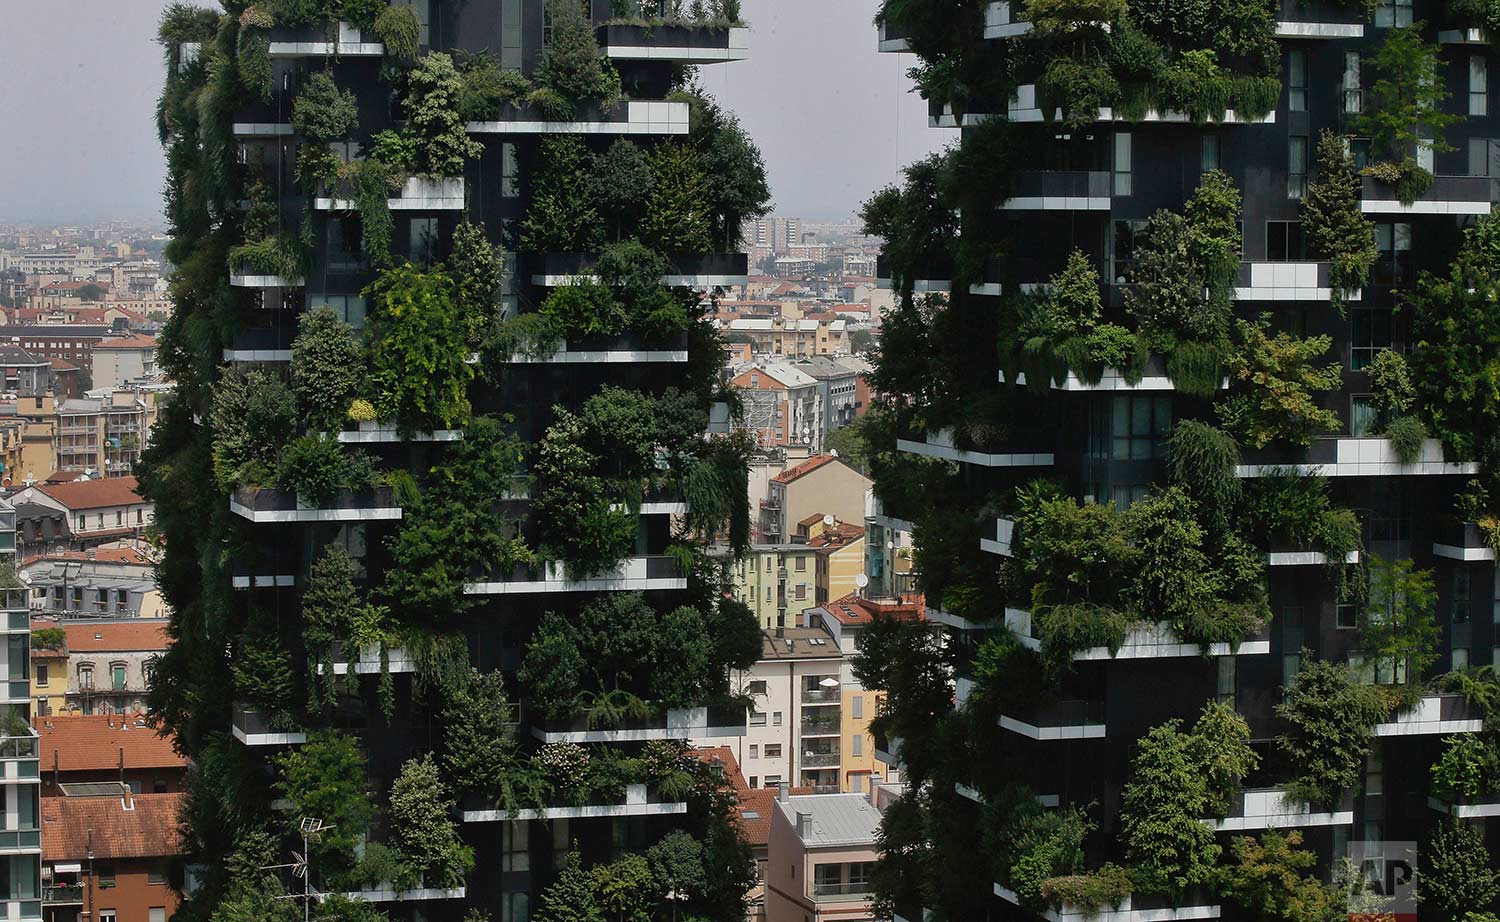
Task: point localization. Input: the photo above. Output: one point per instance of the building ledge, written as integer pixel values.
(674, 724)
(940, 445)
(257, 355)
(640, 118)
(369, 433)
(1463, 37)
(1287, 28)
(266, 506)
(679, 44)
(349, 43)
(1266, 808)
(1079, 731)
(637, 803)
(246, 280)
(1477, 809)
(1434, 714)
(566, 356)
(1304, 558)
(1124, 912)
(1345, 456)
(391, 895)
(263, 581)
(419, 194)
(398, 661)
(263, 129)
(636, 574)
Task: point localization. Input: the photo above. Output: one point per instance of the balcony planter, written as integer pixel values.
(638, 800)
(1347, 456)
(1434, 714)
(384, 431)
(627, 348)
(1452, 195)
(941, 445)
(673, 723)
(1263, 808)
(1465, 541)
(1484, 805)
(1060, 190)
(270, 505)
(635, 574)
(253, 728)
(342, 39)
(1077, 718)
(680, 43)
(418, 193)
(685, 269)
(632, 117)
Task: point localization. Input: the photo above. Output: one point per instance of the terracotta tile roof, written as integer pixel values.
(851, 609)
(101, 554)
(134, 341)
(835, 537)
(62, 365)
(112, 636)
(754, 804)
(97, 743)
(803, 469)
(94, 494)
(70, 825)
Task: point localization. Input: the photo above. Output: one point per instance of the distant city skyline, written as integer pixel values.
(833, 117)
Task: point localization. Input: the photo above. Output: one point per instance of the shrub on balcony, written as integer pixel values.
(434, 140)
(323, 112)
(1043, 846)
(1329, 718)
(316, 467)
(732, 165)
(262, 674)
(584, 522)
(1079, 88)
(1201, 460)
(325, 778)
(918, 225)
(1458, 876)
(1334, 226)
(572, 65)
(613, 657)
(423, 828)
(419, 354)
(487, 87)
(454, 528)
(1289, 509)
(570, 897)
(1269, 877)
(1407, 435)
(276, 254)
(561, 217)
(399, 29)
(253, 58)
(478, 275)
(1275, 379)
(327, 369)
(48, 638)
(621, 180)
(1398, 629)
(1468, 768)
(583, 308)
(676, 218)
(481, 755)
(252, 415)
(1096, 890)
(1404, 113)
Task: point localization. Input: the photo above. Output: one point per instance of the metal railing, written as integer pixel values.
(62, 893)
(820, 695)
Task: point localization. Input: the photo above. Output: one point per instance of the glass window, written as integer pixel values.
(828, 879)
(1460, 659)
(1479, 82)
(757, 687)
(800, 565)
(775, 718)
(510, 178)
(1284, 241)
(422, 244)
(1122, 163)
(1364, 419)
(754, 750)
(1138, 426)
(857, 744)
(1462, 595)
(1353, 98)
(857, 706)
(1224, 686)
(757, 718)
(1346, 616)
(773, 750)
(1370, 333)
(1296, 166)
(1393, 14)
(1296, 80)
(515, 847)
(117, 676)
(1209, 157)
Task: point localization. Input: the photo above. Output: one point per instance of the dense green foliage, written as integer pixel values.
(1329, 719)
(1334, 226)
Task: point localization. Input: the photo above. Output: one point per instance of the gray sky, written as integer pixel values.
(81, 77)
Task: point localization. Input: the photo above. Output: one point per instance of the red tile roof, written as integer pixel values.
(134, 341)
(836, 536)
(62, 365)
(112, 636)
(151, 829)
(803, 469)
(94, 494)
(101, 554)
(851, 609)
(99, 743)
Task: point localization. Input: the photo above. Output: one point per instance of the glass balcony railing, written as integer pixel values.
(62, 893)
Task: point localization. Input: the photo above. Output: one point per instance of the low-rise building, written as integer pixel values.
(103, 582)
(109, 663)
(791, 336)
(107, 748)
(825, 853)
(840, 550)
(107, 856)
(778, 582)
(98, 511)
(838, 386)
(821, 485)
(118, 362)
(782, 405)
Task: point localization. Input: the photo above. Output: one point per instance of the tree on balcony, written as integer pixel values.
(422, 827)
(1404, 117)
(1329, 718)
(419, 350)
(327, 369)
(573, 71)
(325, 778)
(1269, 876)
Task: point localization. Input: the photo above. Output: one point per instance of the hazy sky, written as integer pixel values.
(80, 80)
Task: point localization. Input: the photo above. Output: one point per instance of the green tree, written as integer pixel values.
(561, 217)
(1404, 112)
(1329, 718)
(677, 218)
(328, 369)
(1276, 379)
(330, 608)
(478, 274)
(435, 139)
(1332, 223)
(1167, 283)
(90, 292)
(1213, 219)
(1162, 811)
(624, 888)
(570, 898)
(1457, 875)
(323, 112)
(850, 444)
(621, 181)
(572, 65)
(324, 778)
(1071, 306)
(1270, 879)
(419, 352)
(253, 414)
(1398, 629)
(735, 173)
(676, 863)
(423, 827)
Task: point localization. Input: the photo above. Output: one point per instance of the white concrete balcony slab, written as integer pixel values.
(250, 280)
(389, 894)
(263, 129)
(252, 728)
(1075, 719)
(963, 790)
(673, 724)
(257, 355)
(1159, 641)
(641, 118)
(272, 506)
(940, 445)
(1270, 808)
(1343, 456)
(350, 42)
(636, 574)
(1434, 714)
(918, 286)
(1285, 281)
(1448, 195)
(1000, 22)
(566, 356)
(1469, 36)
(1304, 558)
(887, 42)
(263, 581)
(1468, 808)
(1153, 380)
(892, 523)
(1287, 28)
(637, 803)
(1005, 529)
(1131, 909)
(1022, 107)
(677, 44)
(376, 432)
(420, 193)
(398, 660)
(1463, 541)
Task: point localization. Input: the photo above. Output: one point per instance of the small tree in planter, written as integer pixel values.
(571, 897)
(1405, 111)
(434, 140)
(1276, 378)
(561, 217)
(572, 66)
(1329, 718)
(327, 369)
(1398, 630)
(252, 416)
(325, 778)
(419, 353)
(622, 180)
(423, 827)
(478, 275)
(677, 217)
(1457, 878)
(1335, 228)
(322, 111)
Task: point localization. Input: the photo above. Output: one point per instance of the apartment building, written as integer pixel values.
(109, 854)
(20, 785)
(825, 852)
(1092, 192)
(113, 749)
(96, 512)
(99, 582)
(778, 582)
(821, 485)
(793, 337)
(123, 360)
(839, 550)
(107, 668)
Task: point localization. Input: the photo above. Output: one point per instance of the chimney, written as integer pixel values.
(804, 824)
(783, 791)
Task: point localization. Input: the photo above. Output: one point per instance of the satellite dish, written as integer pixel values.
(828, 518)
(861, 580)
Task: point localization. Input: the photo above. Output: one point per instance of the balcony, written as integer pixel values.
(244, 280)
(1265, 808)
(255, 729)
(1468, 808)
(1022, 107)
(369, 661)
(1060, 190)
(1434, 714)
(634, 117)
(1153, 378)
(20, 747)
(1133, 908)
(1159, 641)
(627, 349)
(389, 894)
(1450, 195)
(816, 696)
(1000, 22)
(685, 270)
(892, 38)
(1068, 719)
(636, 574)
(1462, 541)
(812, 759)
(1317, 19)
(323, 40)
(1345, 456)
(376, 432)
(934, 279)
(940, 445)
(267, 505)
(62, 894)
(678, 44)
(820, 723)
(420, 193)
(887, 749)
(262, 344)
(1286, 281)
(671, 724)
(1005, 530)
(638, 801)
(841, 892)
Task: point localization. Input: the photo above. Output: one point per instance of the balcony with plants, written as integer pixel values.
(271, 29)
(1465, 780)
(674, 31)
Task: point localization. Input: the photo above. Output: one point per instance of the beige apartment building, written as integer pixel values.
(104, 434)
(824, 857)
(821, 485)
(778, 582)
(793, 337)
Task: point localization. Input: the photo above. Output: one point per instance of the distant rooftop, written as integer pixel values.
(838, 820)
(794, 643)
